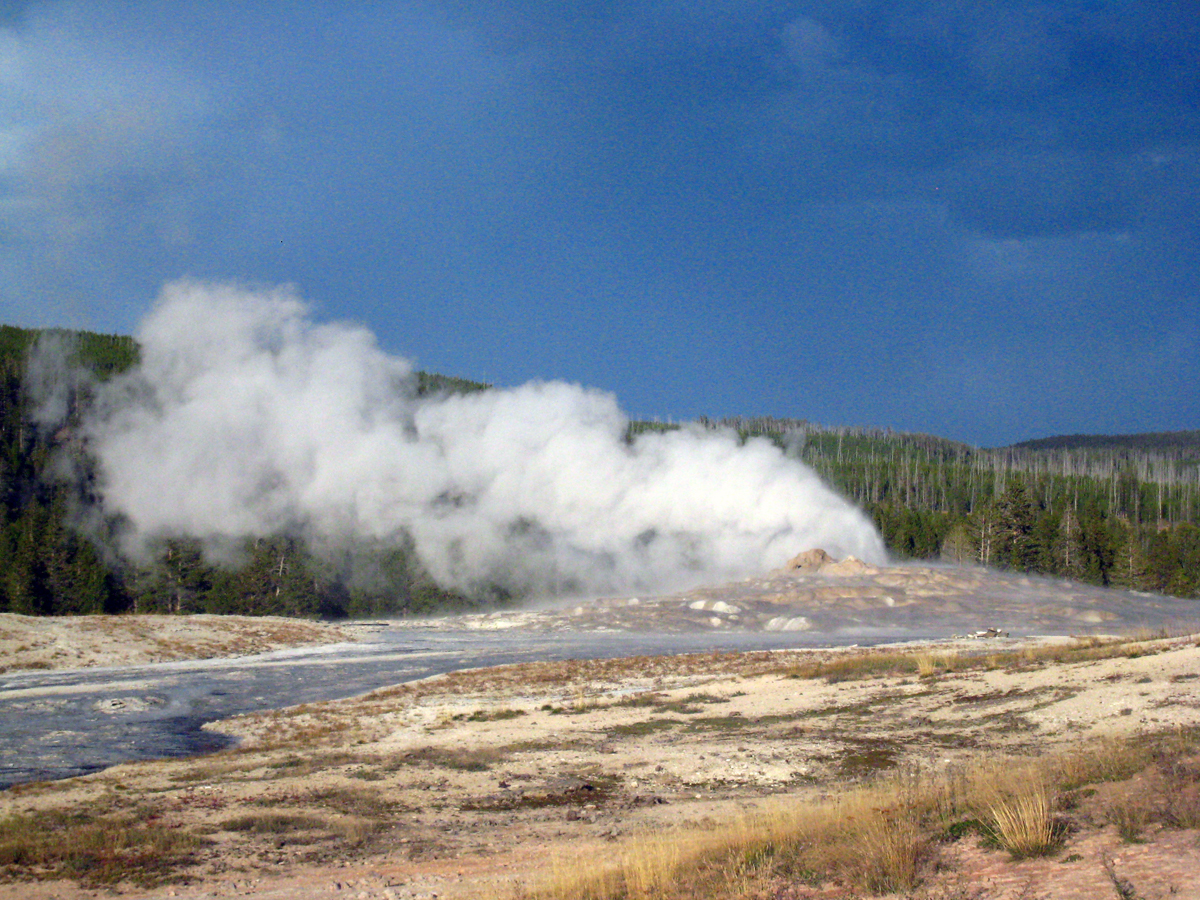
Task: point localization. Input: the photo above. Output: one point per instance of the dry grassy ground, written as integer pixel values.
(974, 770)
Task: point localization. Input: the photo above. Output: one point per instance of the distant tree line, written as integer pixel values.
(1116, 511)
(1120, 511)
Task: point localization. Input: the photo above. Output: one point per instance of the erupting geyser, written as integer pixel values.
(245, 417)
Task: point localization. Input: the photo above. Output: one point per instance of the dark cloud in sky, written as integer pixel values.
(973, 220)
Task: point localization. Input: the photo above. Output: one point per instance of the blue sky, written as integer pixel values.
(973, 220)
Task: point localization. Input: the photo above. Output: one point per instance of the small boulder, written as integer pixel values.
(809, 560)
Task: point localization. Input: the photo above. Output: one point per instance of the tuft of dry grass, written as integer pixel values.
(932, 664)
(1129, 816)
(882, 837)
(1178, 780)
(875, 838)
(1023, 822)
(926, 665)
(876, 663)
(853, 666)
(895, 847)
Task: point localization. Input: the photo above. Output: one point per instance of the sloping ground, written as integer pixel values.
(492, 782)
(849, 600)
(67, 642)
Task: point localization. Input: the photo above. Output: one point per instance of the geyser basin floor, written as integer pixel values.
(469, 785)
(848, 601)
(58, 724)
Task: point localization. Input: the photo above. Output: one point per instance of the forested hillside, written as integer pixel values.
(1119, 510)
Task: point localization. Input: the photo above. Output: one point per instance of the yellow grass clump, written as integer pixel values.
(1023, 822)
(878, 838)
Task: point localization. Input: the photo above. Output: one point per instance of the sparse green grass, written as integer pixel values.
(94, 850)
(489, 715)
(448, 758)
(363, 802)
(1130, 820)
(271, 823)
(643, 728)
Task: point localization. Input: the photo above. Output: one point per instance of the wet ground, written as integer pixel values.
(63, 723)
(71, 722)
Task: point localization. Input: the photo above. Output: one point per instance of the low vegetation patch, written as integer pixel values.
(361, 802)
(284, 829)
(102, 850)
(880, 663)
(855, 666)
(271, 823)
(885, 836)
(689, 705)
(868, 758)
(644, 728)
(448, 758)
(489, 715)
(594, 791)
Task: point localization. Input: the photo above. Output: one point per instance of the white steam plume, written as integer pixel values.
(244, 417)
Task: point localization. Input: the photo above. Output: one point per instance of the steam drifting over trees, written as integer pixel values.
(1113, 510)
(1120, 510)
(303, 463)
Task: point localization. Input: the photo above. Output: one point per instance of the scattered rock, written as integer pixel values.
(849, 566)
(788, 623)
